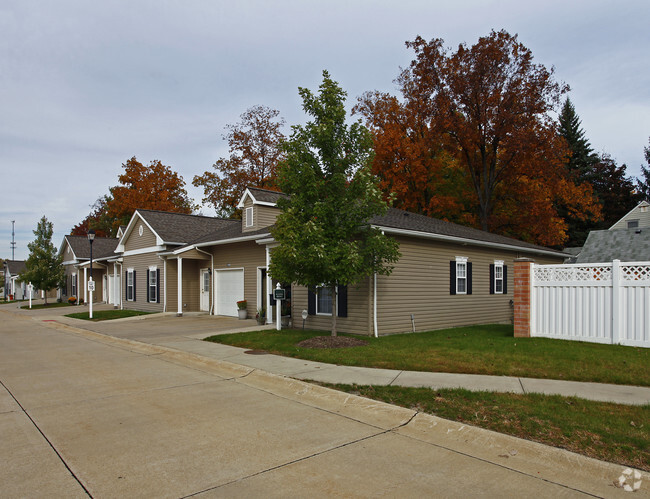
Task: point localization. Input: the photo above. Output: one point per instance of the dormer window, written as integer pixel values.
(249, 216)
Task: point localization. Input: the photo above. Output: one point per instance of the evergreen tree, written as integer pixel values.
(582, 157)
(43, 267)
(643, 184)
(580, 164)
(326, 239)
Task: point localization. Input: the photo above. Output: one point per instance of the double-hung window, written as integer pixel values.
(130, 285)
(323, 300)
(498, 277)
(461, 276)
(152, 285)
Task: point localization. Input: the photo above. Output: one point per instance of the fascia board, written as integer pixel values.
(129, 229)
(462, 240)
(246, 193)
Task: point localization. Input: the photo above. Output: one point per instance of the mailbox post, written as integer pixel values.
(278, 296)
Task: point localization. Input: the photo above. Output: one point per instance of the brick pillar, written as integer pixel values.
(523, 270)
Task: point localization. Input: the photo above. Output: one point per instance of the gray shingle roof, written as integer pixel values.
(266, 196)
(179, 228)
(627, 245)
(405, 220)
(102, 246)
(15, 267)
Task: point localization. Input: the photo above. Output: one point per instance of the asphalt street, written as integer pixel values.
(85, 414)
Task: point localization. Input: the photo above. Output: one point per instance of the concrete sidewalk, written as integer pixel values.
(186, 334)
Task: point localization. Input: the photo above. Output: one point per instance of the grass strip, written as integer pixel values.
(487, 349)
(610, 432)
(105, 315)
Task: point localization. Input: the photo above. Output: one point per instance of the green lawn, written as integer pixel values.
(104, 315)
(610, 432)
(487, 349)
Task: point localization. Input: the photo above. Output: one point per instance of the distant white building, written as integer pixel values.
(637, 217)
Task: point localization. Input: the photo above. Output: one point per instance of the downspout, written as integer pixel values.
(374, 306)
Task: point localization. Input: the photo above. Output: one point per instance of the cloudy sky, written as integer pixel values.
(86, 85)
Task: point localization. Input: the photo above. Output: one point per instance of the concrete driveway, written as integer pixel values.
(83, 414)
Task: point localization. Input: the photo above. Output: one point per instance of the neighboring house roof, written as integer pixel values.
(261, 196)
(627, 245)
(574, 252)
(176, 228)
(640, 213)
(412, 224)
(102, 247)
(15, 267)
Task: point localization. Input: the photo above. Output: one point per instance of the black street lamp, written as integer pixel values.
(91, 287)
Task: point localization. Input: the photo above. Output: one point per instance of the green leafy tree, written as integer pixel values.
(324, 232)
(643, 184)
(43, 267)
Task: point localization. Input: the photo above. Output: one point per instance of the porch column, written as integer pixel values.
(164, 284)
(179, 310)
(85, 286)
(523, 282)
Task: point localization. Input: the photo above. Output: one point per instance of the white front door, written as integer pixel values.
(111, 290)
(205, 290)
(230, 289)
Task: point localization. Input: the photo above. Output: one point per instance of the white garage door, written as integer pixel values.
(230, 289)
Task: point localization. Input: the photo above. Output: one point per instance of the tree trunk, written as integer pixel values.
(333, 288)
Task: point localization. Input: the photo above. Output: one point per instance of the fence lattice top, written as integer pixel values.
(591, 272)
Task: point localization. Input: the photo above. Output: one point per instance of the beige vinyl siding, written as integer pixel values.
(135, 241)
(420, 285)
(358, 321)
(642, 215)
(140, 264)
(247, 255)
(172, 286)
(265, 216)
(191, 284)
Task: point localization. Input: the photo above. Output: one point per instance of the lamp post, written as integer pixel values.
(91, 283)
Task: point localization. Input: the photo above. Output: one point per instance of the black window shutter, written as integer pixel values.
(491, 278)
(452, 277)
(158, 285)
(134, 285)
(505, 279)
(148, 290)
(311, 302)
(126, 285)
(469, 278)
(342, 304)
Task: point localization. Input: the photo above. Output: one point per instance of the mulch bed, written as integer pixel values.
(331, 342)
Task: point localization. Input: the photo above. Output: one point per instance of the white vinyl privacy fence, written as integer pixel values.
(596, 302)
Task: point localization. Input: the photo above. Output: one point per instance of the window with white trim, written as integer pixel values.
(461, 275)
(323, 300)
(152, 285)
(498, 277)
(130, 285)
(74, 285)
(249, 216)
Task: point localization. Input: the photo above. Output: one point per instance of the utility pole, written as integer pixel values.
(13, 239)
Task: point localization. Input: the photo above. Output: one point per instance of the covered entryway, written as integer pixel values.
(230, 289)
(205, 290)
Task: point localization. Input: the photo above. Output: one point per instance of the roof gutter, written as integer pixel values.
(463, 240)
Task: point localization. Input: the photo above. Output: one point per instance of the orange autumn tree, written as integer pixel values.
(486, 135)
(254, 147)
(152, 187)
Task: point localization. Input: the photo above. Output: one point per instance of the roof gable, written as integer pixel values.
(262, 197)
(641, 213)
(174, 228)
